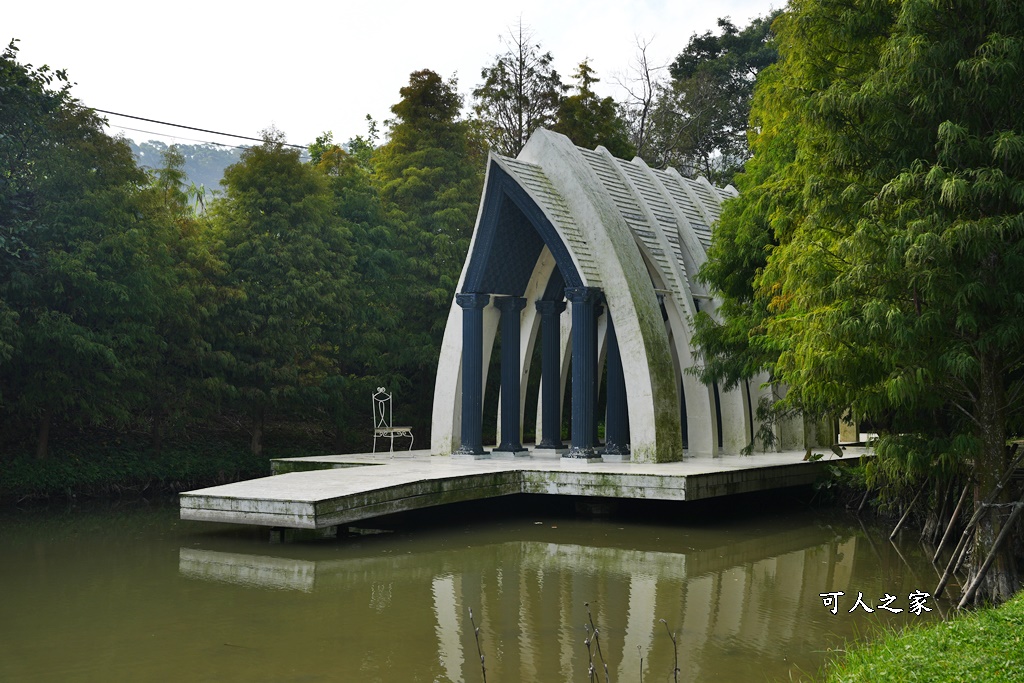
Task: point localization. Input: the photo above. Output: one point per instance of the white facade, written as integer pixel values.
(563, 216)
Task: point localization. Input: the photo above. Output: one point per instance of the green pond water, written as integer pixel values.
(130, 593)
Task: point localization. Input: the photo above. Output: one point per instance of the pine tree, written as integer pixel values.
(698, 120)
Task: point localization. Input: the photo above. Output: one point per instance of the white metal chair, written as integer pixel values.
(383, 423)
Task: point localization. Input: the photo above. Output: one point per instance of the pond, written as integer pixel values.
(130, 593)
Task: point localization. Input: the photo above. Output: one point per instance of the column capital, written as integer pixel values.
(509, 304)
(550, 307)
(583, 295)
(469, 300)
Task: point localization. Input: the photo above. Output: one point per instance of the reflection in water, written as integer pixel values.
(132, 595)
(247, 570)
(733, 607)
(449, 648)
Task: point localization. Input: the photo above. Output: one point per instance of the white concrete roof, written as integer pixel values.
(637, 234)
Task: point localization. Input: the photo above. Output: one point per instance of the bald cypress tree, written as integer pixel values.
(288, 265)
(430, 183)
(84, 265)
(589, 120)
(882, 219)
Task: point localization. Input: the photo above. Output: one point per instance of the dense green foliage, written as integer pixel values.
(519, 94)
(873, 260)
(103, 465)
(281, 304)
(90, 275)
(589, 120)
(288, 264)
(696, 121)
(136, 298)
(983, 646)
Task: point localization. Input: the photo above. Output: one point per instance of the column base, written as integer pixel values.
(616, 457)
(509, 454)
(549, 452)
(612, 452)
(470, 454)
(577, 454)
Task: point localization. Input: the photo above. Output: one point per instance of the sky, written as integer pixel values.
(308, 67)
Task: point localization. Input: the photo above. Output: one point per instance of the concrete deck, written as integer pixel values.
(325, 491)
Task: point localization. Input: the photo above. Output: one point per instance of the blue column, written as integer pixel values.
(598, 312)
(510, 307)
(584, 370)
(551, 385)
(616, 426)
(472, 371)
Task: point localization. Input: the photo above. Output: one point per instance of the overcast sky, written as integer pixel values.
(307, 67)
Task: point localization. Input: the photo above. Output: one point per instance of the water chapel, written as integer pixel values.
(594, 258)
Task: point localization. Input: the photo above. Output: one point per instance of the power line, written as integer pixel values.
(201, 130)
(153, 132)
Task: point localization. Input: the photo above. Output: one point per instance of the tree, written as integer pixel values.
(84, 260)
(699, 119)
(519, 94)
(425, 173)
(589, 120)
(27, 109)
(289, 263)
(641, 87)
(177, 385)
(891, 216)
(429, 189)
(367, 344)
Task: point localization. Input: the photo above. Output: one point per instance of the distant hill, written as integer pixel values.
(204, 164)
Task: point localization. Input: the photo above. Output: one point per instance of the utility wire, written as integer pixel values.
(153, 132)
(201, 130)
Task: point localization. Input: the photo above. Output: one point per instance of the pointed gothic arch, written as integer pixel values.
(566, 237)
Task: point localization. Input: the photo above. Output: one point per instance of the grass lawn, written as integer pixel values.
(987, 645)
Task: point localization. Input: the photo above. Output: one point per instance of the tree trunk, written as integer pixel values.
(156, 434)
(1001, 580)
(337, 415)
(933, 524)
(339, 439)
(43, 442)
(256, 445)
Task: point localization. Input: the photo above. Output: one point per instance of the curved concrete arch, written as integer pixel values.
(561, 219)
(529, 328)
(735, 406)
(556, 231)
(701, 425)
(690, 249)
(653, 405)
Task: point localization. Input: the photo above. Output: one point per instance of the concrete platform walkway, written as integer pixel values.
(324, 491)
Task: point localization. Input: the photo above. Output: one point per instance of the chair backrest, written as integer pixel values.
(382, 409)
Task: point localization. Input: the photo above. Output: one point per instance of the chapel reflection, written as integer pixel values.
(742, 599)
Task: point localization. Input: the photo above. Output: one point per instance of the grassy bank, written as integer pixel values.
(987, 645)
